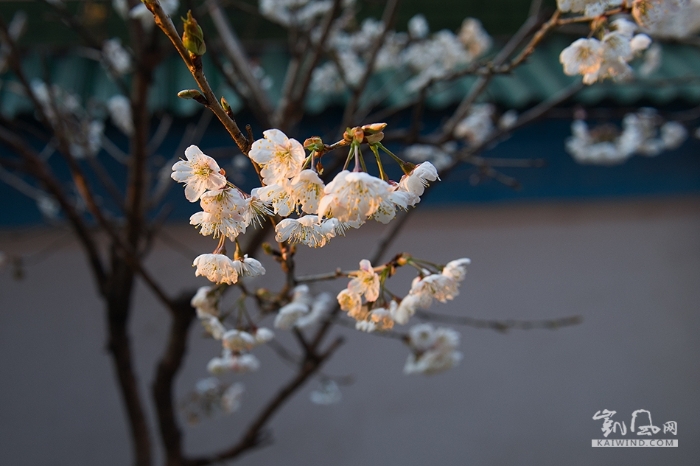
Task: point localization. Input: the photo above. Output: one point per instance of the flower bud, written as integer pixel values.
(313, 144)
(192, 36)
(374, 128)
(357, 134)
(374, 138)
(193, 94)
(348, 135)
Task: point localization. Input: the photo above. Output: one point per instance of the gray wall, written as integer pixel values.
(527, 397)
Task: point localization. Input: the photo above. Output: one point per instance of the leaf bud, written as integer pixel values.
(192, 36)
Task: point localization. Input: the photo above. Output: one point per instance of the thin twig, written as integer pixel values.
(501, 325)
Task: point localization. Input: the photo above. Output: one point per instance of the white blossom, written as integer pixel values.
(641, 135)
(325, 79)
(306, 190)
(350, 302)
(205, 302)
(294, 12)
(223, 214)
(308, 230)
(456, 269)
(289, 314)
(383, 317)
(199, 173)
(474, 37)
(396, 198)
(231, 398)
(584, 56)
(508, 119)
(119, 109)
(238, 341)
(673, 134)
(477, 126)
(418, 27)
(263, 335)
(366, 326)
(408, 307)
(434, 350)
(327, 394)
(117, 58)
(322, 305)
(217, 268)
(352, 196)
(365, 282)
(640, 42)
(248, 267)
(213, 327)
(279, 157)
(667, 18)
(588, 7)
(652, 60)
(48, 206)
(278, 196)
(437, 286)
(241, 363)
(416, 181)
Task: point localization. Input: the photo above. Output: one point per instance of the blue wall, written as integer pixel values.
(671, 173)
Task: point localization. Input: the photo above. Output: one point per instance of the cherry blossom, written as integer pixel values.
(199, 173)
(217, 268)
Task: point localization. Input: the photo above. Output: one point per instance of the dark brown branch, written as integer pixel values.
(118, 299)
(168, 367)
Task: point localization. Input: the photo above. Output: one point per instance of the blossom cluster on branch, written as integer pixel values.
(643, 132)
(291, 185)
(622, 30)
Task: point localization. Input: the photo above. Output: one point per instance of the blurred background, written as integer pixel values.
(618, 246)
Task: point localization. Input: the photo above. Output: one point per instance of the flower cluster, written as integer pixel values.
(116, 57)
(477, 126)
(605, 57)
(304, 309)
(294, 12)
(642, 133)
(426, 57)
(365, 298)
(433, 349)
(236, 343)
(348, 201)
(210, 397)
(674, 19)
(587, 7)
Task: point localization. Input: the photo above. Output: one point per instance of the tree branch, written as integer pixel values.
(168, 367)
(194, 64)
